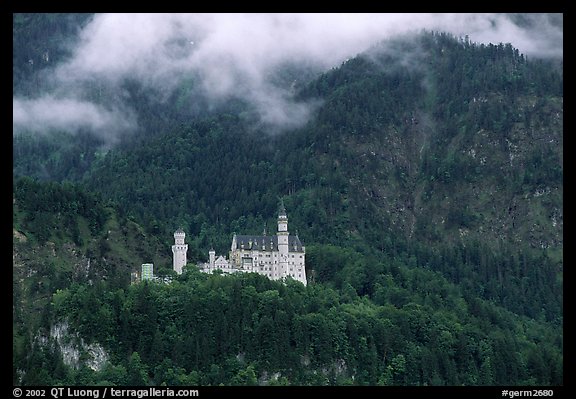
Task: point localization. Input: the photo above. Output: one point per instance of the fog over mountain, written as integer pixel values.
(236, 55)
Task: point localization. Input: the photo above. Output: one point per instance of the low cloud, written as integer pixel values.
(237, 55)
(48, 114)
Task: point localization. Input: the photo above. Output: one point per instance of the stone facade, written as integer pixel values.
(276, 256)
(179, 250)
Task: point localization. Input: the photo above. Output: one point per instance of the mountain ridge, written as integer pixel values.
(428, 180)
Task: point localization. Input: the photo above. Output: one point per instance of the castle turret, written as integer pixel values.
(212, 258)
(283, 235)
(179, 250)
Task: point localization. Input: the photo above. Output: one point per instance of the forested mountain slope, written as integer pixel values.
(63, 236)
(435, 159)
(76, 320)
(427, 187)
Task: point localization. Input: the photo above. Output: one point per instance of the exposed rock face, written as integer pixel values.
(72, 346)
(481, 184)
(18, 236)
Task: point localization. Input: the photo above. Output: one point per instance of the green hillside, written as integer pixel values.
(410, 327)
(389, 165)
(427, 187)
(416, 329)
(63, 236)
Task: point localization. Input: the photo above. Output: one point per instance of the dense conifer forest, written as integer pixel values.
(427, 187)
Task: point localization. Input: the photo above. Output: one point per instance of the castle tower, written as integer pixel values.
(212, 258)
(282, 241)
(179, 250)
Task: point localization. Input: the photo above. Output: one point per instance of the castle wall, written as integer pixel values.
(275, 257)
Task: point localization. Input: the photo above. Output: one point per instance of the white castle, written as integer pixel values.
(276, 257)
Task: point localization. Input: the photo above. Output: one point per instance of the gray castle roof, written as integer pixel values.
(267, 243)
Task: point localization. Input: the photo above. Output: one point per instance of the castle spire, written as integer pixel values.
(282, 210)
